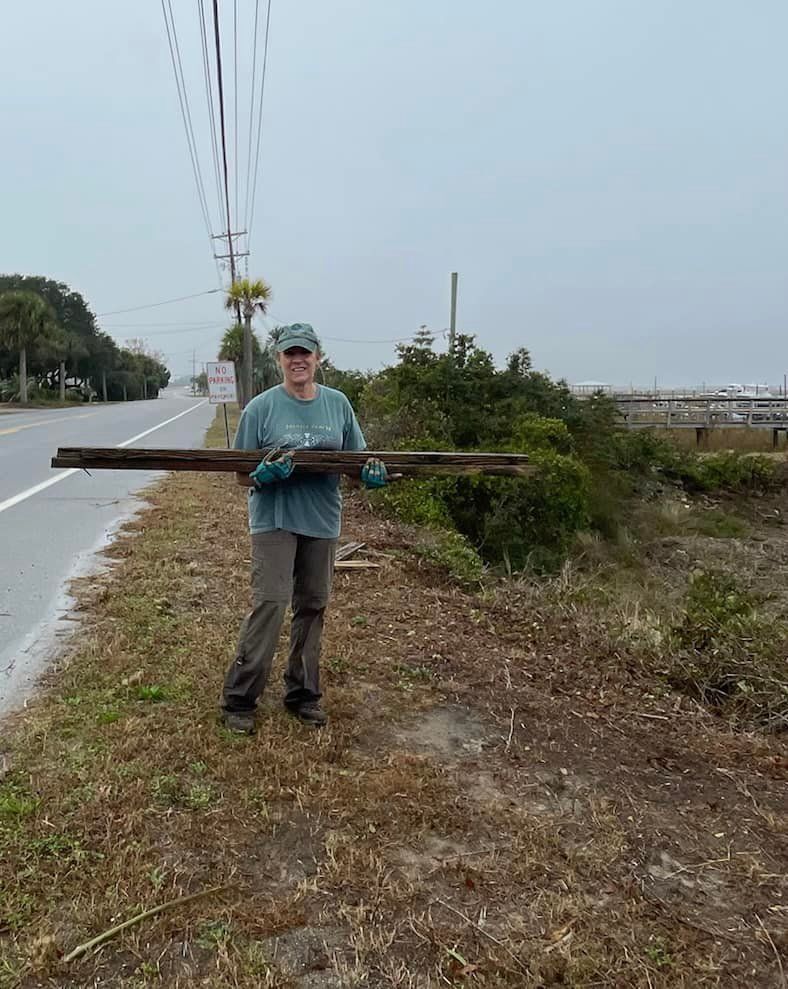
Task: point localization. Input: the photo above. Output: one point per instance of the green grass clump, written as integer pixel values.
(729, 654)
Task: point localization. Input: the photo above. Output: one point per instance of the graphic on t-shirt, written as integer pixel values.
(307, 440)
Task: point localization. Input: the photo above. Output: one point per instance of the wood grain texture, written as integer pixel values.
(407, 463)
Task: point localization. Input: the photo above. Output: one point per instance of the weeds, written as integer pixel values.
(152, 693)
(16, 801)
(451, 552)
(729, 653)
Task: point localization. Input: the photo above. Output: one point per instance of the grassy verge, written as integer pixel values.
(504, 796)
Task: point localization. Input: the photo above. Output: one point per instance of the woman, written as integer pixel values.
(295, 524)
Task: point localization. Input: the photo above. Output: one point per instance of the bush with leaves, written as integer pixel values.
(729, 654)
(520, 523)
(513, 523)
(531, 432)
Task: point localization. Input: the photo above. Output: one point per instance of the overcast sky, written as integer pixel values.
(608, 177)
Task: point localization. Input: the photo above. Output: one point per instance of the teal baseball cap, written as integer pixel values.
(298, 335)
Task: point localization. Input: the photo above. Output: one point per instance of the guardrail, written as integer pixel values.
(707, 412)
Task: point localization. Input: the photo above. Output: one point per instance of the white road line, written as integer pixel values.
(29, 492)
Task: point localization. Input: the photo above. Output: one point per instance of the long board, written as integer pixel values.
(409, 464)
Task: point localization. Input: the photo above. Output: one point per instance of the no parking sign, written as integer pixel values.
(221, 382)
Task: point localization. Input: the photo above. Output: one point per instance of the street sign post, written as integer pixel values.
(221, 382)
(222, 387)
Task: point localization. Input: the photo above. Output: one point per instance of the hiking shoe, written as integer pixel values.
(241, 722)
(310, 713)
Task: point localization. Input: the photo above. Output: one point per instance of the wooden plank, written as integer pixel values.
(346, 551)
(409, 464)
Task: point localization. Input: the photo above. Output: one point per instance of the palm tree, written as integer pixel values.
(248, 297)
(264, 368)
(25, 318)
(68, 348)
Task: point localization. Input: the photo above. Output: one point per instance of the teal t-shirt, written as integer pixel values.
(309, 504)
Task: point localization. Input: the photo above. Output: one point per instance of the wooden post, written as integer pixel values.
(775, 438)
(702, 434)
(23, 375)
(453, 313)
(62, 381)
(104, 385)
(125, 394)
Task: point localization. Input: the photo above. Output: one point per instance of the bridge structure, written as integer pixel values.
(703, 413)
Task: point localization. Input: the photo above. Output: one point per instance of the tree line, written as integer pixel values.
(51, 347)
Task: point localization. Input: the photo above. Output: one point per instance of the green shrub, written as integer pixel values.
(717, 610)
(524, 523)
(533, 432)
(717, 525)
(453, 553)
(730, 655)
(515, 523)
(735, 472)
(642, 451)
(416, 502)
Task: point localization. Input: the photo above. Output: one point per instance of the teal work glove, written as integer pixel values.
(269, 471)
(374, 474)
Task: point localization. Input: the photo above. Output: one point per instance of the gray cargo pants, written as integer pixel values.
(285, 568)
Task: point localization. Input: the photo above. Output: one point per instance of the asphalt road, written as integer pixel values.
(53, 522)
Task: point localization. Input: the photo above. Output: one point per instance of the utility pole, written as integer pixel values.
(104, 384)
(234, 254)
(453, 321)
(194, 372)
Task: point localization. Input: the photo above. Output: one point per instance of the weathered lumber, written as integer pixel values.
(407, 463)
(346, 551)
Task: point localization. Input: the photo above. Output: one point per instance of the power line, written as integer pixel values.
(235, 101)
(345, 340)
(224, 135)
(164, 302)
(195, 324)
(321, 336)
(183, 329)
(206, 65)
(251, 116)
(183, 99)
(259, 123)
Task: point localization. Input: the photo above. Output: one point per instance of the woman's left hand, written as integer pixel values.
(374, 474)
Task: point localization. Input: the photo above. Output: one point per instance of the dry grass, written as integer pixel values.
(737, 438)
(501, 798)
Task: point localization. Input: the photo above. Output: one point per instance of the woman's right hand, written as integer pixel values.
(269, 471)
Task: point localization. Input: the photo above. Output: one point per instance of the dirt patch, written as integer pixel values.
(449, 733)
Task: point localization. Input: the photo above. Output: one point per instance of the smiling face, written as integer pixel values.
(298, 366)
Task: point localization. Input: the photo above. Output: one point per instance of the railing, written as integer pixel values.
(689, 411)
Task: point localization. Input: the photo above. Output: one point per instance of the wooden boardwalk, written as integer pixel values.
(703, 413)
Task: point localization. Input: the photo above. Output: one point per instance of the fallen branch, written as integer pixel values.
(482, 931)
(511, 732)
(107, 935)
(408, 464)
(774, 949)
